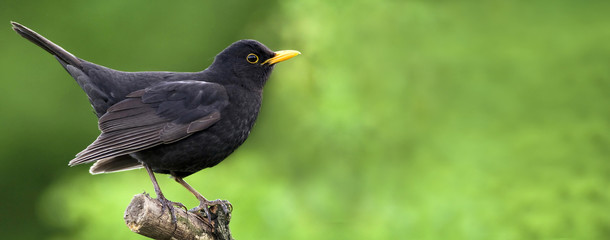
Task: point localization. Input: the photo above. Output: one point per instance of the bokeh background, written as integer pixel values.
(400, 120)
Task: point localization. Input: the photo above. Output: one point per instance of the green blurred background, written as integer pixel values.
(400, 120)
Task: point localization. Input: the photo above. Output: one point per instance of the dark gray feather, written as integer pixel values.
(161, 114)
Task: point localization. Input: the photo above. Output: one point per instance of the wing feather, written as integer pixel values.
(162, 114)
(120, 163)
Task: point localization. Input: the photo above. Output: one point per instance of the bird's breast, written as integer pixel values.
(210, 146)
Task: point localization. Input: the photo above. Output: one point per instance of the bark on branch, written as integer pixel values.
(144, 216)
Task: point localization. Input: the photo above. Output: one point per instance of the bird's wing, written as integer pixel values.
(161, 114)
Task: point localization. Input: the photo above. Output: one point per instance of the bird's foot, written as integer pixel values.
(204, 206)
(169, 205)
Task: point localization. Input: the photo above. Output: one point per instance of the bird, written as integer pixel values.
(175, 123)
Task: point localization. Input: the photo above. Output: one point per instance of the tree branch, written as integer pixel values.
(144, 216)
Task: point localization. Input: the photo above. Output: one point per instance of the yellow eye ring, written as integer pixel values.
(252, 58)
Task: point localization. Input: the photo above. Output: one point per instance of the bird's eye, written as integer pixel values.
(252, 58)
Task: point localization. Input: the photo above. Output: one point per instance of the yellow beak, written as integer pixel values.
(281, 56)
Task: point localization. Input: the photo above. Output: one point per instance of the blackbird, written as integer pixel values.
(175, 123)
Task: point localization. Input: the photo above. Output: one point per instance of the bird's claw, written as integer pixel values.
(169, 205)
(227, 207)
(204, 207)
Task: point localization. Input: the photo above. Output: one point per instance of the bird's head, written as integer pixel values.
(250, 60)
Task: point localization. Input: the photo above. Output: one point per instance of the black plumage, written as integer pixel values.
(170, 122)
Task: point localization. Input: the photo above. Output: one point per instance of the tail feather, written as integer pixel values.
(64, 56)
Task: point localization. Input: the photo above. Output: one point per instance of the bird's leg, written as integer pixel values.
(165, 203)
(204, 204)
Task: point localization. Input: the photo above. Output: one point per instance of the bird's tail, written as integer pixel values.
(62, 55)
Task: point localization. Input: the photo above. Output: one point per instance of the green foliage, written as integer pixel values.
(400, 120)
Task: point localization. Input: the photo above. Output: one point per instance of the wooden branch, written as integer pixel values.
(144, 216)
